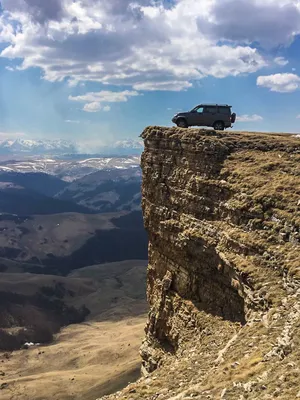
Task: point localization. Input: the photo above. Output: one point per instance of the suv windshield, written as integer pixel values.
(197, 109)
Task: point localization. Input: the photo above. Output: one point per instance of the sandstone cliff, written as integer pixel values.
(223, 213)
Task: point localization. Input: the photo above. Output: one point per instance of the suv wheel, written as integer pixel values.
(181, 123)
(219, 126)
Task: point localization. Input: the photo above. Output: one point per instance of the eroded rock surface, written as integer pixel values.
(223, 213)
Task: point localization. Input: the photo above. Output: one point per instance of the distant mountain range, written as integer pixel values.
(61, 211)
(107, 190)
(68, 167)
(36, 147)
(26, 147)
(49, 188)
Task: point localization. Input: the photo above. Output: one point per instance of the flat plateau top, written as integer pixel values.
(260, 140)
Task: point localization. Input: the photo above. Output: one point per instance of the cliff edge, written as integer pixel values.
(222, 211)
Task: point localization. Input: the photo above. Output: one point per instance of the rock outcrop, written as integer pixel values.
(222, 211)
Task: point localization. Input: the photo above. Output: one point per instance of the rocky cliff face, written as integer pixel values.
(222, 211)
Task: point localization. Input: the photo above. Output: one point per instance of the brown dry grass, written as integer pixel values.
(90, 359)
(266, 187)
(86, 361)
(256, 229)
(267, 182)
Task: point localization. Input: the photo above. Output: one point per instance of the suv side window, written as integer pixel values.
(224, 110)
(200, 110)
(210, 109)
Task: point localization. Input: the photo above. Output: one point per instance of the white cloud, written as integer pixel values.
(140, 44)
(94, 100)
(270, 22)
(174, 86)
(249, 118)
(92, 107)
(95, 107)
(7, 34)
(281, 61)
(11, 69)
(282, 83)
(39, 11)
(105, 96)
(72, 121)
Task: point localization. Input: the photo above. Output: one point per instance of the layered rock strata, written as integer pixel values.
(222, 211)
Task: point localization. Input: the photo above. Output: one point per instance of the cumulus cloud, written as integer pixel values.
(92, 107)
(105, 96)
(249, 118)
(282, 83)
(40, 11)
(269, 22)
(281, 61)
(94, 100)
(144, 44)
(175, 86)
(95, 107)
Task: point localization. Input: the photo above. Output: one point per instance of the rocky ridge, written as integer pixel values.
(222, 212)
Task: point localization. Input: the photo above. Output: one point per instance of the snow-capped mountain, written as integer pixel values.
(23, 147)
(68, 168)
(36, 147)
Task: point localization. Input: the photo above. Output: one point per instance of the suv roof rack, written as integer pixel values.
(214, 104)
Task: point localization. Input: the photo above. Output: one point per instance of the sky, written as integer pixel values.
(96, 71)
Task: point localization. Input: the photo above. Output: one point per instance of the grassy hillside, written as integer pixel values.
(22, 201)
(59, 243)
(45, 184)
(85, 360)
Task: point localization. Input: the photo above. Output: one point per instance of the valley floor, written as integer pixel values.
(86, 361)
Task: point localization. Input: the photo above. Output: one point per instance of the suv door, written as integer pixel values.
(195, 117)
(225, 115)
(210, 115)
